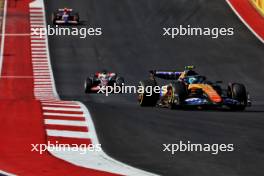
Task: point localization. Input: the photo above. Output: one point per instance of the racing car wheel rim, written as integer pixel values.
(171, 97)
(140, 98)
(85, 85)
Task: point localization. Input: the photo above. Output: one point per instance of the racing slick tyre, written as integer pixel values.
(88, 85)
(179, 94)
(76, 17)
(120, 81)
(148, 98)
(238, 92)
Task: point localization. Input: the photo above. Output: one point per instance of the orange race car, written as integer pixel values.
(189, 89)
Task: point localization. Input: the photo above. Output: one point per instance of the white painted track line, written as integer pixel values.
(42, 86)
(42, 76)
(36, 15)
(40, 71)
(3, 35)
(69, 134)
(61, 109)
(38, 43)
(59, 105)
(65, 122)
(6, 173)
(62, 114)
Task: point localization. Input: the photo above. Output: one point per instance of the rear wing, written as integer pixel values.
(172, 75)
(62, 10)
(168, 75)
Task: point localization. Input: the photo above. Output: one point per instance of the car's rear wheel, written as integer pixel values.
(146, 95)
(179, 94)
(238, 92)
(54, 18)
(76, 17)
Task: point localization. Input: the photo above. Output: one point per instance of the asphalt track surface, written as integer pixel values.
(132, 44)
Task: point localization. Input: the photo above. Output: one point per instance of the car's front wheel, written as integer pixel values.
(238, 92)
(146, 94)
(88, 85)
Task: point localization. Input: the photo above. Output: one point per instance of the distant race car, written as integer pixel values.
(189, 89)
(65, 16)
(102, 79)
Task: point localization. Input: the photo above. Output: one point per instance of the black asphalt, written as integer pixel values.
(132, 43)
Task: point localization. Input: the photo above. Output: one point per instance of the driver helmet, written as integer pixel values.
(65, 9)
(192, 80)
